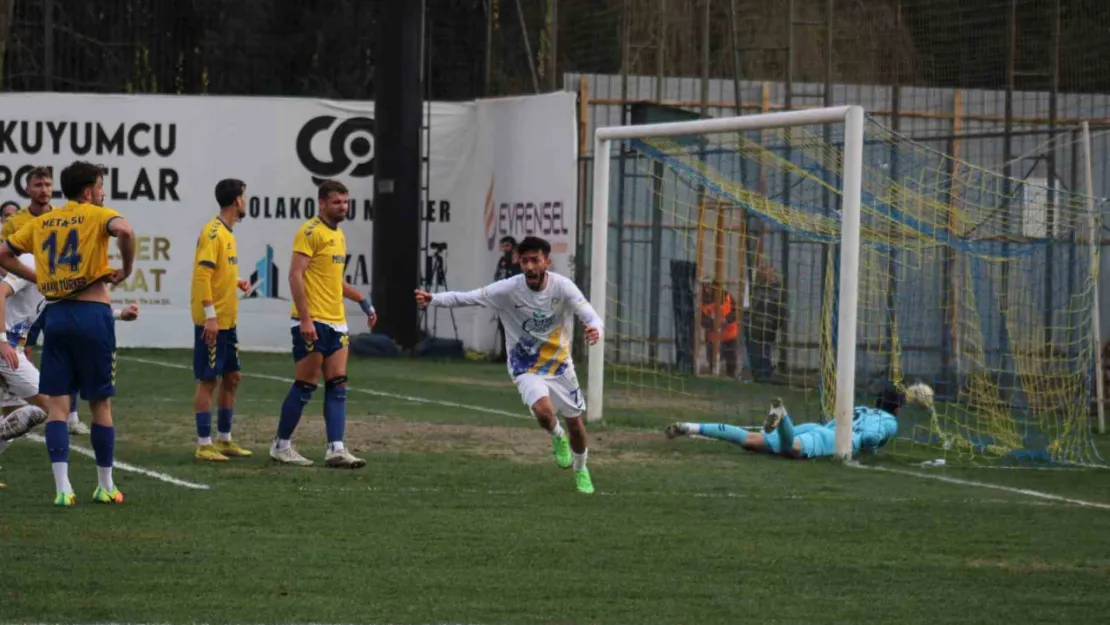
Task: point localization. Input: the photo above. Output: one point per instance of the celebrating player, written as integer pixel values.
(872, 427)
(70, 245)
(537, 309)
(40, 189)
(320, 329)
(215, 307)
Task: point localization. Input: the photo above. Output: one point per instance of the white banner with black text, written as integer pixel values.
(496, 168)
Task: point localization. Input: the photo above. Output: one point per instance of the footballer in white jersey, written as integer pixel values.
(20, 304)
(537, 309)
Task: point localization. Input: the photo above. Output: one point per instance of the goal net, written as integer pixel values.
(723, 278)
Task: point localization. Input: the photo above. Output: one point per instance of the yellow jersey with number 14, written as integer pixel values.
(326, 248)
(17, 220)
(70, 245)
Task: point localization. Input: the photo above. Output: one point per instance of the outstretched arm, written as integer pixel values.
(458, 299)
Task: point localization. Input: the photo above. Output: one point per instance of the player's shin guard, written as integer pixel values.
(103, 440)
(300, 393)
(335, 408)
(57, 445)
(204, 425)
(723, 432)
(223, 422)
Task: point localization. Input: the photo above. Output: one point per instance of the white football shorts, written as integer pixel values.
(563, 390)
(20, 383)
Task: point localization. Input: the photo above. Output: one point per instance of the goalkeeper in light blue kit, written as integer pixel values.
(872, 427)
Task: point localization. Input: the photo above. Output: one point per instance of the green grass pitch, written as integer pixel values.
(462, 517)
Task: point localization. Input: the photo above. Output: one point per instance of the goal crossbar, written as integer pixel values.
(852, 118)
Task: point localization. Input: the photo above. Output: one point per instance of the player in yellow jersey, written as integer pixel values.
(40, 190)
(320, 328)
(70, 245)
(215, 307)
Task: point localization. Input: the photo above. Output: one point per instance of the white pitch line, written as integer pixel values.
(824, 498)
(410, 398)
(123, 466)
(1008, 489)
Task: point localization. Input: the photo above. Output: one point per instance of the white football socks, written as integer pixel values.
(579, 459)
(61, 477)
(335, 447)
(104, 478)
(282, 444)
(204, 440)
(223, 437)
(557, 431)
(73, 418)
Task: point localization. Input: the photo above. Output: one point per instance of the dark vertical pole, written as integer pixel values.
(397, 110)
(1007, 187)
(552, 45)
(1050, 163)
(48, 45)
(895, 172)
(489, 47)
(784, 253)
(826, 165)
(657, 173)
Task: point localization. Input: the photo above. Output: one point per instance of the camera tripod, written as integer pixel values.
(435, 281)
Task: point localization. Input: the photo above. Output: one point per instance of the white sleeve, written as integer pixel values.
(581, 306)
(16, 283)
(487, 296)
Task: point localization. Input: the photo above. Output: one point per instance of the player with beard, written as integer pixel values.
(537, 308)
(319, 329)
(70, 245)
(40, 189)
(215, 308)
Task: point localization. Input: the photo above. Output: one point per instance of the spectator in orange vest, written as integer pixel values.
(717, 304)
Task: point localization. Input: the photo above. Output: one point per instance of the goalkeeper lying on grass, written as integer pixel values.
(872, 427)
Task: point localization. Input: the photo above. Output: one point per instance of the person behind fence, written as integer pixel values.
(765, 318)
(872, 427)
(720, 325)
(508, 265)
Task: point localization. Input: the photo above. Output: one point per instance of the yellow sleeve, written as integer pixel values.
(208, 249)
(105, 216)
(8, 229)
(202, 281)
(304, 244)
(21, 240)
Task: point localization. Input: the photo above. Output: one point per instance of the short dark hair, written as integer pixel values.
(508, 239)
(78, 176)
(533, 244)
(9, 203)
(228, 190)
(328, 187)
(39, 172)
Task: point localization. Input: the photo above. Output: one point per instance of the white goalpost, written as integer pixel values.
(852, 120)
